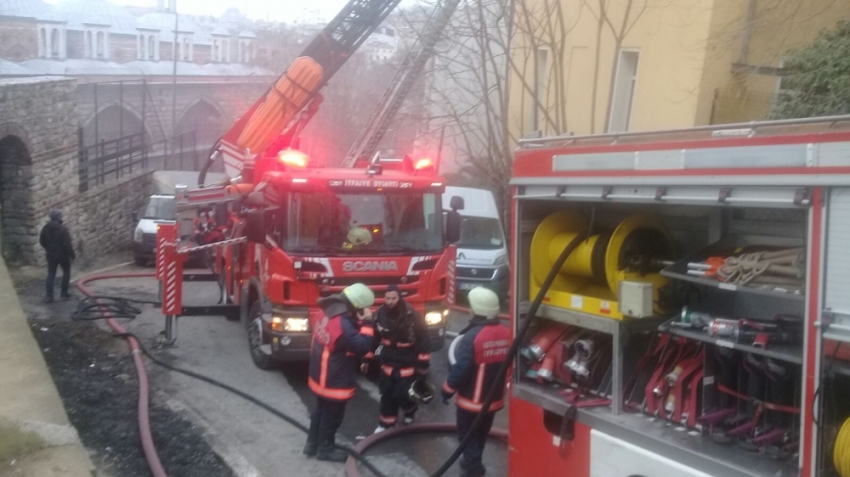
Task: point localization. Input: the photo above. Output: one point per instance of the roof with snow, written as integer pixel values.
(84, 67)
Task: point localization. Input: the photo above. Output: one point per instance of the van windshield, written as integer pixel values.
(160, 208)
(481, 233)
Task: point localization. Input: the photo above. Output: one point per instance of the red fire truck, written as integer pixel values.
(695, 322)
(284, 232)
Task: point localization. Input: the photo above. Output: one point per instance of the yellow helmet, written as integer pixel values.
(359, 295)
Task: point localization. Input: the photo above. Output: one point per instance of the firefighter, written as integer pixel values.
(340, 340)
(404, 353)
(480, 350)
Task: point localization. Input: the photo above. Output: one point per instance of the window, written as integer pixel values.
(89, 45)
(140, 51)
(185, 51)
(539, 88)
(483, 233)
(242, 52)
(351, 223)
(225, 53)
(624, 91)
(42, 42)
(101, 47)
(216, 55)
(54, 43)
(152, 47)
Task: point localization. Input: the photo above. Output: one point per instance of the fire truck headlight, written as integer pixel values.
(435, 317)
(296, 324)
(137, 235)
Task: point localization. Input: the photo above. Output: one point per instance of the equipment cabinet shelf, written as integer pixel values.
(679, 270)
(783, 352)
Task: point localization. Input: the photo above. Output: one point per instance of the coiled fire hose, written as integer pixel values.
(841, 451)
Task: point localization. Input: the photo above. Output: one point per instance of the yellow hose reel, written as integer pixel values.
(589, 278)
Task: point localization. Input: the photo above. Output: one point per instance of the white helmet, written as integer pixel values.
(359, 236)
(484, 302)
(359, 295)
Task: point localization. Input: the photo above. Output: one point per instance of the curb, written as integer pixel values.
(236, 462)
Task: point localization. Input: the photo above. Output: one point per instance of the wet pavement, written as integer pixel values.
(218, 348)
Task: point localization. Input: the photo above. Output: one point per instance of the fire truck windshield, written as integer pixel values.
(362, 223)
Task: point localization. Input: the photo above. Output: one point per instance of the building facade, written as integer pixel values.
(627, 65)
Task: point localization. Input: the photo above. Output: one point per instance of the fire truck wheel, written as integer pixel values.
(256, 341)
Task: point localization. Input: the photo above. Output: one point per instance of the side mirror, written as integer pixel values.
(453, 225)
(456, 203)
(255, 226)
(135, 217)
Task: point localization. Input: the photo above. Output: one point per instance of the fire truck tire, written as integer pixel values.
(255, 338)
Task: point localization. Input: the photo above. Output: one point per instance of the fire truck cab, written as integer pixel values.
(322, 229)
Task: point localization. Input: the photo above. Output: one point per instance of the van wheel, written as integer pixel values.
(140, 261)
(256, 340)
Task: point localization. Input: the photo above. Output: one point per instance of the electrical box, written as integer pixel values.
(635, 299)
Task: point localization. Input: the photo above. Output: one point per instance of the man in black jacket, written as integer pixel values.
(404, 353)
(56, 241)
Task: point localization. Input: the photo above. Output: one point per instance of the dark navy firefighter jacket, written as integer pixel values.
(478, 356)
(339, 341)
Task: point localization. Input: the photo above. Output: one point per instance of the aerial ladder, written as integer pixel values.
(366, 143)
(276, 119)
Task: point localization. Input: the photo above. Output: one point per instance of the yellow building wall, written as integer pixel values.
(685, 73)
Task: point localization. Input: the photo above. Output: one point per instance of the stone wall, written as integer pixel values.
(18, 40)
(76, 43)
(101, 221)
(39, 172)
(123, 48)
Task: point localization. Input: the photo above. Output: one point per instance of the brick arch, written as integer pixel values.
(206, 117)
(108, 123)
(18, 236)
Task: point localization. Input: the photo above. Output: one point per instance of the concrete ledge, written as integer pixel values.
(29, 402)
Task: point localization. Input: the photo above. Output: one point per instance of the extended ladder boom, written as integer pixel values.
(279, 107)
(414, 63)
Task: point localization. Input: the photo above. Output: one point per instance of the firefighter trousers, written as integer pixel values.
(471, 463)
(394, 398)
(324, 422)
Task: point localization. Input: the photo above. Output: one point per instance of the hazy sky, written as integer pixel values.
(277, 10)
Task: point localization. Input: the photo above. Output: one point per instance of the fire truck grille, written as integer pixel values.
(377, 284)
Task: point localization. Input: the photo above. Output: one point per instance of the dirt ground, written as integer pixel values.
(96, 378)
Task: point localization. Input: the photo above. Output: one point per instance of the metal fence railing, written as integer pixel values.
(110, 160)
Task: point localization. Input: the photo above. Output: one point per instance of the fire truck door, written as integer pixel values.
(631, 460)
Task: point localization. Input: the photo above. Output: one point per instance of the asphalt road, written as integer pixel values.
(262, 443)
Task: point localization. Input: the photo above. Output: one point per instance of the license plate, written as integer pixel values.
(468, 286)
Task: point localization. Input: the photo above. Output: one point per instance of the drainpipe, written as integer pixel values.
(748, 33)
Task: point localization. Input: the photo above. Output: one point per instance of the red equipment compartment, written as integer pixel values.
(534, 451)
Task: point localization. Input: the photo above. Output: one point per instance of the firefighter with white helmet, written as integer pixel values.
(340, 339)
(475, 358)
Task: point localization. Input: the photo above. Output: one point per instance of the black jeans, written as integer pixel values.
(324, 422)
(51, 275)
(471, 460)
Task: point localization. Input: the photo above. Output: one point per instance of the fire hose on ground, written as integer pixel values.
(144, 423)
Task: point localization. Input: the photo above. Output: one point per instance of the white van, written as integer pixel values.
(482, 254)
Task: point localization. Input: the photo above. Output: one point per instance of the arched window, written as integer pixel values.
(101, 47)
(54, 43)
(185, 49)
(43, 42)
(151, 48)
(216, 51)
